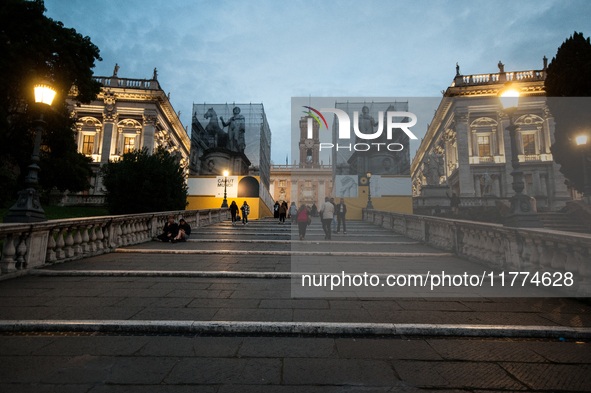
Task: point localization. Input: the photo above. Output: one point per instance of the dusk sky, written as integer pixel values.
(270, 51)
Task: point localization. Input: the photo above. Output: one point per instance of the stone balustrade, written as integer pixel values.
(489, 79)
(28, 246)
(145, 84)
(498, 247)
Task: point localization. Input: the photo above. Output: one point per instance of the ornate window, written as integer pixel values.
(484, 146)
(529, 144)
(128, 145)
(129, 135)
(88, 140)
(282, 183)
(484, 141)
(308, 183)
(88, 144)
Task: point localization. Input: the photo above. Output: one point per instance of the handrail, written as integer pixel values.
(32, 245)
(497, 246)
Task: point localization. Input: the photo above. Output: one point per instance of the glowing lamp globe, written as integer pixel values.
(226, 173)
(581, 140)
(44, 93)
(509, 99)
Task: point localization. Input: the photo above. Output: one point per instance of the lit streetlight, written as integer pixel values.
(582, 142)
(28, 207)
(523, 213)
(369, 204)
(225, 202)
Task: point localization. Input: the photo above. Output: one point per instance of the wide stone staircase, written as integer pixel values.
(227, 311)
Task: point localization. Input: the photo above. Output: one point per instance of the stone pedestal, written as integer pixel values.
(432, 196)
(217, 160)
(435, 191)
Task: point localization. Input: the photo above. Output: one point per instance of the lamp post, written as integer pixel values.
(369, 204)
(523, 212)
(28, 207)
(225, 202)
(582, 142)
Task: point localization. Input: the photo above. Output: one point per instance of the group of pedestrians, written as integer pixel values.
(173, 232)
(332, 216)
(245, 209)
(281, 211)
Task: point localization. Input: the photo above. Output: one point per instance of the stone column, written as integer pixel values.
(496, 185)
(548, 136)
(543, 185)
(537, 189)
(477, 190)
(149, 130)
(504, 123)
(321, 192)
(109, 138)
(295, 196)
(109, 127)
(463, 144)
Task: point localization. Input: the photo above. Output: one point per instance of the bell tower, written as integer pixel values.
(309, 147)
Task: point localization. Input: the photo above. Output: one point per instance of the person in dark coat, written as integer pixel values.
(314, 210)
(282, 212)
(341, 211)
(170, 230)
(184, 231)
(276, 209)
(245, 212)
(233, 212)
(454, 202)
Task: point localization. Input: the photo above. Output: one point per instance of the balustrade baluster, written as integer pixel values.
(118, 235)
(7, 264)
(50, 256)
(60, 252)
(21, 251)
(98, 244)
(92, 246)
(559, 260)
(78, 242)
(69, 243)
(86, 249)
(546, 257)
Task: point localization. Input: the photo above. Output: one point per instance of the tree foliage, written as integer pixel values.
(568, 87)
(36, 48)
(142, 182)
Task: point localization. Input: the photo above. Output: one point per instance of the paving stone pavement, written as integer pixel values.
(69, 361)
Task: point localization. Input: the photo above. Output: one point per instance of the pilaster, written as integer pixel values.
(463, 144)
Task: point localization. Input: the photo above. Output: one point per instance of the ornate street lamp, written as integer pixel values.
(369, 204)
(523, 213)
(582, 141)
(28, 207)
(225, 202)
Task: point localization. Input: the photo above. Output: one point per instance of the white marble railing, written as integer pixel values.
(28, 246)
(146, 84)
(499, 247)
(485, 79)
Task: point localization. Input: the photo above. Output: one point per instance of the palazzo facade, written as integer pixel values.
(468, 136)
(308, 181)
(127, 114)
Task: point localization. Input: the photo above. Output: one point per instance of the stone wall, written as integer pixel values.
(498, 247)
